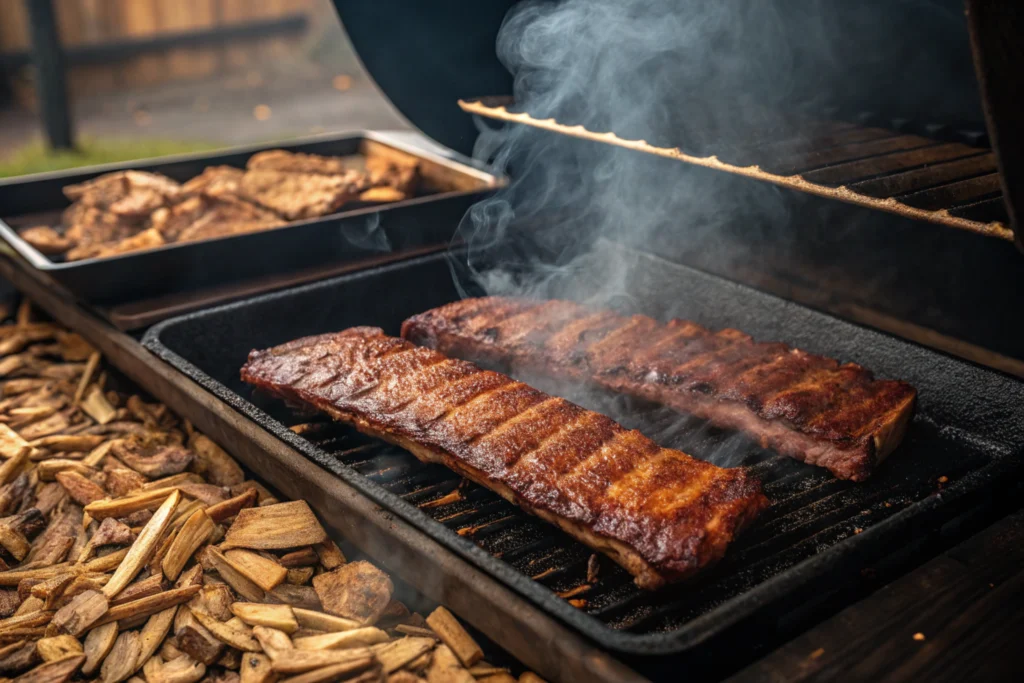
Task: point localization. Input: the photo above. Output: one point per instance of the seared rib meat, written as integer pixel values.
(807, 407)
(658, 512)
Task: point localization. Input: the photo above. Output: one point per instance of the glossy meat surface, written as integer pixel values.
(809, 407)
(660, 513)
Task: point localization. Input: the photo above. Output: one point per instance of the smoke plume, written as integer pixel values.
(696, 75)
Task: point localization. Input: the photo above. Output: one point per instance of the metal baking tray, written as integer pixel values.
(450, 185)
(967, 437)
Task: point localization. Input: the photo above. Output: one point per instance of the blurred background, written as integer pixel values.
(151, 77)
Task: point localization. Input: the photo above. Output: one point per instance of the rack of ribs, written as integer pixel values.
(659, 513)
(804, 406)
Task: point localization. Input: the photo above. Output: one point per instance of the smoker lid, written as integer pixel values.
(424, 56)
(902, 60)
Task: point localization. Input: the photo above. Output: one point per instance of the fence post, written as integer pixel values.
(51, 86)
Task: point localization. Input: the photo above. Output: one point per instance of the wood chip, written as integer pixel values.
(14, 542)
(530, 677)
(11, 442)
(151, 585)
(244, 586)
(18, 656)
(84, 477)
(448, 628)
(229, 508)
(51, 589)
(64, 443)
(280, 617)
(264, 572)
(90, 370)
(359, 637)
(81, 613)
(153, 461)
(112, 532)
(300, 576)
(153, 633)
(180, 670)
(357, 590)
(304, 597)
(144, 607)
(293, 661)
(207, 493)
(196, 530)
(143, 547)
(122, 507)
(410, 630)
(96, 406)
(398, 653)
(330, 554)
(98, 643)
(120, 662)
(97, 455)
(197, 642)
(255, 668)
(333, 673)
(79, 488)
(445, 667)
(273, 527)
(319, 621)
(215, 464)
(53, 672)
(58, 647)
(306, 557)
(235, 637)
(122, 482)
(14, 465)
(215, 600)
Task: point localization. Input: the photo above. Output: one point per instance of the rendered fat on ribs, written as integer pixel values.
(660, 513)
(808, 407)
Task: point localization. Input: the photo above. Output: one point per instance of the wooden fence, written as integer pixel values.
(90, 25)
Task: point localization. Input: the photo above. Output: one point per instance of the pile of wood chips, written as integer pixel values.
(133, 547)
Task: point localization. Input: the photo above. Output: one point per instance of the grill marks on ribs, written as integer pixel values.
(807, 407)
(659, 513)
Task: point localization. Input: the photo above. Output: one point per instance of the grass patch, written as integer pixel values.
(36, 157)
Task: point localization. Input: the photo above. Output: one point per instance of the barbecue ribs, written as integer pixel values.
(658, 512)
(807, 407)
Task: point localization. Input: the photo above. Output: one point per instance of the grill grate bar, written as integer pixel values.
(866, 170)
(863, 169)
(818, 158)
(931, 176)
(955, 194)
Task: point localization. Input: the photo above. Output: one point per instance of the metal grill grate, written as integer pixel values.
(926, 178)
(810, 509)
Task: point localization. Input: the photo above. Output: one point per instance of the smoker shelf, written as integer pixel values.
(949, 183)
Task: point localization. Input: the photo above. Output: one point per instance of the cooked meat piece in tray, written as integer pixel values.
(134, 210)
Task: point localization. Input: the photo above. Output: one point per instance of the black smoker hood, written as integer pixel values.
(942, 69)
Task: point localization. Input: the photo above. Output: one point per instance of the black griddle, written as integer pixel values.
(964, 443)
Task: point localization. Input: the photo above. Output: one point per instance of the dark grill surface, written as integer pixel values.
(810, 510)
(965, 434)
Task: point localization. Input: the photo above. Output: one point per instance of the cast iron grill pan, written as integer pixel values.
(345, 237)
(961, 441)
